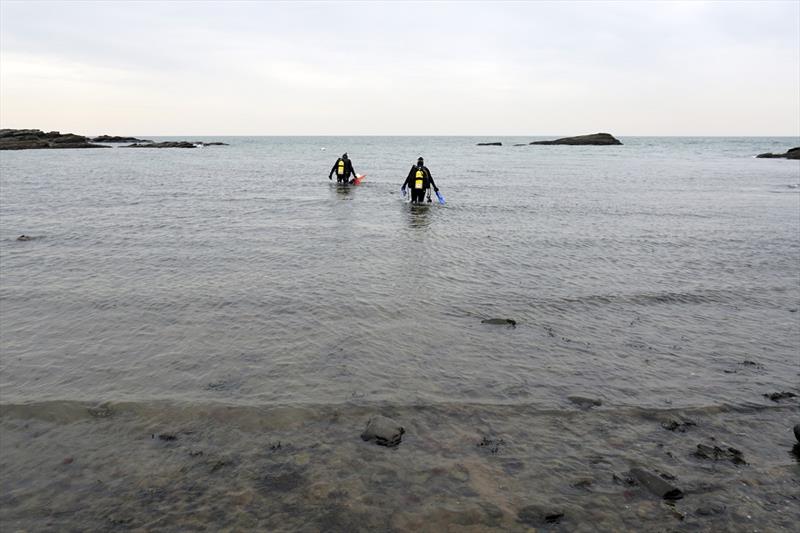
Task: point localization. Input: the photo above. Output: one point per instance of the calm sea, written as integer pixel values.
(236, 295)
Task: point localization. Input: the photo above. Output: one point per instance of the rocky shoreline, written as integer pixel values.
(32, 139)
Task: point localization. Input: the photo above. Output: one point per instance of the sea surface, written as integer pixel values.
(194, 339)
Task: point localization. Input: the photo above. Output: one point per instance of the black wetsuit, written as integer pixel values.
(418, 181)
(342, 172)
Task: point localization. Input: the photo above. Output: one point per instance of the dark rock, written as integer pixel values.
(792, 153)
(710, 509)
(778, 396)
(167, 436)
(715, 453)
(37, 139)
(24, 238)
(213, 144)
(655, 484)
(499, 321)
(383, 431)
(521, 144)
(490, 144)
(535, 515)
(116, 139)
(797, 432)
(752, 364)
(585, 403)
(595, 139)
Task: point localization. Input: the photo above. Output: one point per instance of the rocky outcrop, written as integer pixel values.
(490, 144)
(792, 153)
(37, 139)
(112, 139)
(596, 139)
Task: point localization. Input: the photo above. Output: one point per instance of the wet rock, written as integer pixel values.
(797, 432)
(778, 396)
(675, 423)
(213, 144)
(751, 364)
(67, 461)
(383, 431)
(24, 238)
(792, 153)
(596, 139)
(536, 515)
(655, 484)
(165, 436)
(716, 453)
(499, 321)
(585, 403)
(490, 144)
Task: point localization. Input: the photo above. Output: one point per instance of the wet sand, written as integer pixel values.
(171, 467)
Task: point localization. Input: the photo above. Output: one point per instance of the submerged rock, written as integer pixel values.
(585, 403)
(655, 484)
(778, 396)
(716, 453)
(792, 153)
(499, 321)
(595, 139)
(24, 238)
(676, 423)
(384, 431)
(536, 515)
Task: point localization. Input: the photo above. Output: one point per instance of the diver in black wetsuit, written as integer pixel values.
(419, 180)
(343, 169)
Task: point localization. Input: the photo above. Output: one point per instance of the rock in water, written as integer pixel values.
(490, 144)
(655, 484)
(585, 403)
(797, 432)
(499, 321)
(595, 139)
(792, 153)
(384, 431)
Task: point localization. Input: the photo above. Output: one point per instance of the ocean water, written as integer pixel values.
(234, 298)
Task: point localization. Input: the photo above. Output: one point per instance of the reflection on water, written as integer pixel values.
(419, 215)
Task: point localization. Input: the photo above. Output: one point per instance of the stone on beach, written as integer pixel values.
(383, 431)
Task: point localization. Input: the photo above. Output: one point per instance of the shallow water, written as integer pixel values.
(235, 297)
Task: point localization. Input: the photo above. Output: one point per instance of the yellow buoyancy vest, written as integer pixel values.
(340, 169)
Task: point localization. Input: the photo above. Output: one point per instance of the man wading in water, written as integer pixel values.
(419, 180)
(343, 168)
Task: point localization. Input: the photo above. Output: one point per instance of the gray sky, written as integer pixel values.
(392, 68)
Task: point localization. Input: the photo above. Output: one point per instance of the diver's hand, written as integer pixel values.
(435, 189)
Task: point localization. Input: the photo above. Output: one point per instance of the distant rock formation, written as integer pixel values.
(174, 144)
(116, 139)
(792, 153)
(597, 139)
(490, 144)
(37, 139)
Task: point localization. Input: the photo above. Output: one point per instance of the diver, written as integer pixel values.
(343, 168)
(419, 180)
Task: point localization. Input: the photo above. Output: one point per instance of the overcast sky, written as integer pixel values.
(401, 68)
